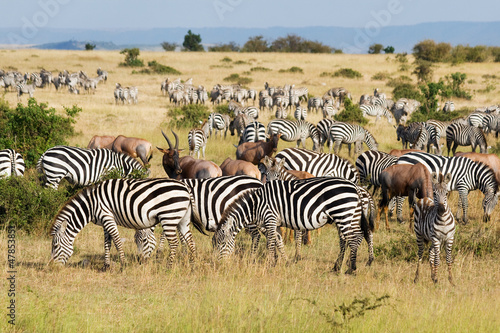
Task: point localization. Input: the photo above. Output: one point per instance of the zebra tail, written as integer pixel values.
(366, 226)
(195, 216)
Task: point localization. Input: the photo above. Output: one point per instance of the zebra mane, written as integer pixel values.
(57, 224)
(229, 209)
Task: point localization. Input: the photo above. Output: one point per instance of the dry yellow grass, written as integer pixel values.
(240, 295)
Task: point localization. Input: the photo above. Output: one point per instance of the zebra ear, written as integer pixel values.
(267, 161)
(281, 163)
(447, 178)
(435, 178)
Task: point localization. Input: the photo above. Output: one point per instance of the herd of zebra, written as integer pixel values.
(27, 83)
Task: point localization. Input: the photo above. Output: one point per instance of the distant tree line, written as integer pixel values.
(429, 50)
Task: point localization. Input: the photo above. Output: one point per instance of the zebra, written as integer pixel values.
(440, 127)
(323, 127)
(415, 134)
(341, 93)
(11, 163)
(202, 95)
(197, 139)
(314, 103)
(435, 223)
(300, 113)
(281, 113)
(103, 74)
(370, 164)
(24, 88)
(301, 92)
(211, 196)
(251, 111)
(133, 94)
(218, 122)
(476, 119)
(378, 94)
(329, 111)
(266, 102)
(466, 176)
(239, 123)
(253, 132)
(300, 205)
(465, 135)
(295, 130)
(131, 203)
(81, 166)
(449, 106)
(318, 164)
(377, 111)
(341, 132)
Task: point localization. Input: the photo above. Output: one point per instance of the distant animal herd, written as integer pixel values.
(263, 188)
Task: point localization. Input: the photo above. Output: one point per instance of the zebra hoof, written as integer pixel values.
(105, 268)
(350, 271)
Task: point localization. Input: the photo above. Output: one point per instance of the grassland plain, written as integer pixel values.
(241, 295)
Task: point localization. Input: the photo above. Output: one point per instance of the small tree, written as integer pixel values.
(389, 50)
(429, 92)
(256, 44)
(89, 47)
(423, 70)
(132, 58)
(375, 48)
(169, 46)
(192, 42)
(230, 47)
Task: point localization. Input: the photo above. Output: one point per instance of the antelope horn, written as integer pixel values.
(166, 138)
(176, 140)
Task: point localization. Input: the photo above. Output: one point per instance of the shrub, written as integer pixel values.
(223, 109)
(423, 70)
(406, 90)
(236, 78)
(428, 50)
(188, 116)
(348, 73)
(293, 69)
(192, 42)
(351, 113)
(230, 47)
(403, 79)
(260, 69)
(226, 59)
(89, 47)
(375, 48)
(452, 86)
(381, 76)
(32, 129)
(132, 58)
(169, 46)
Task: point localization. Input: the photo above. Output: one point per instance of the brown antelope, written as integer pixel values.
(401, 152)
(134, 147)
(253, 152)
(490, 160)
(187, 166)
(403, 180)
(232, 167)
(101, 141)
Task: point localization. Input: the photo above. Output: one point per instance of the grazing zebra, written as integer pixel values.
(476, 119)
(300, 205)
(449, 106)
(341, 93)
(465, 135)
(376, 111)
(11, 163)
(314, 103)
(341, 132)
(370, 164)
(255, 131)
(131, 203)
(323, 127)
(239, 123)
(466, 176)
(378, 94)
(329, 111)
(318, 164)
(103, 74)
(266, 102)
(300, 113)
(218, 122)
(82, 166)
(440, 127)
(415, 134)
(211, 197)
(24, 88)
(295, 130)
(435, 223)
(301, 92)
(197, 139)
(251, 111)
(281, 113)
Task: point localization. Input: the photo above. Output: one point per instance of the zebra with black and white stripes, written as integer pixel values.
(476, 118)
(341, 132)
(370, 164)
(295, 130)
(465, 135)
(281, 113)
(251, 111)
(253, 132)
(449, 106)
(314, 103)
(24, 88)
(11, 163)
(300, 205)
(81, 166)
(323, 127)
(218, 122)
(435, 223)
(415, 134)
(318, 164)
(376, 111)
(197, 139)
(466, 176)
(329, 111)
(300, 113)
(131, 203)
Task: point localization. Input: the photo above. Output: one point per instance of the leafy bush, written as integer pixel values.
(347, 73)
(157, 68)
(406, 90)
(351, 113)
(293, 69)
(403, 79)
(226, 59)
(230, 47)
(375, 48)
(32, 129)
(188, 116)
(381, 76)
(192, 42)
(260, 69)
(240, 62)
(169, 46)
(132, 58)
(428, 50)
(223, 109)
(452, 86)
(236, 78)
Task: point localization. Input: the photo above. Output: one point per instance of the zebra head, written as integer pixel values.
(62, 244)
(440, 190)
(170, 162)
(273, 169)
(489, 202)
(146, 242)
(224, 238)
(130, 164)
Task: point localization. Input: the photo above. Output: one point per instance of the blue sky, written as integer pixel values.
(123, 14)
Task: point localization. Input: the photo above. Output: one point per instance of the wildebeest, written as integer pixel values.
(232, 167)
(101, 141)
(411, 180)
(135, 147)
(253, 152)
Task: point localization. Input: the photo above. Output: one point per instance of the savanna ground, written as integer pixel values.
(240, 294)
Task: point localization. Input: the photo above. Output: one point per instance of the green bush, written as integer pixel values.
(293, 69)
(347, 73)
(188, 116)
(453, 86)
(157, 68)
(132, 58)
(351, 113)
(381, 76)
(403, 79)
(223, 109)
(406, 90)
(260, 69)
(32, 129)
(236, 78)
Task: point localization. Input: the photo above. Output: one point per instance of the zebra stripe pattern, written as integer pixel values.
(350, 133)
(376, 111)
(131, 203)
(24, 88)
(197, 139)
(323, 127)
(300, 113)
(295, 130)
(218, 122)
(329, 111)
(82, 166)
(318, 164)
(254, 132)
(465, 135)
(11, 163)
(370, 164)
(435, 223)
(300, 205)
(466, 176)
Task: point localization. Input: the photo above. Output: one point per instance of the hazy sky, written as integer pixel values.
(122, 14)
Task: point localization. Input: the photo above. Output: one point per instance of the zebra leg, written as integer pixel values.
(449, 259)
(271, 242)
(169, 231)
(434, 259)
(254, 232)
(298, 244)
(340, 258)
(369, 242)
(107, 248)
(111, 228)
(420, 244)
(187, 236)
(353, 244)
(399, 209)
(463, 206)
